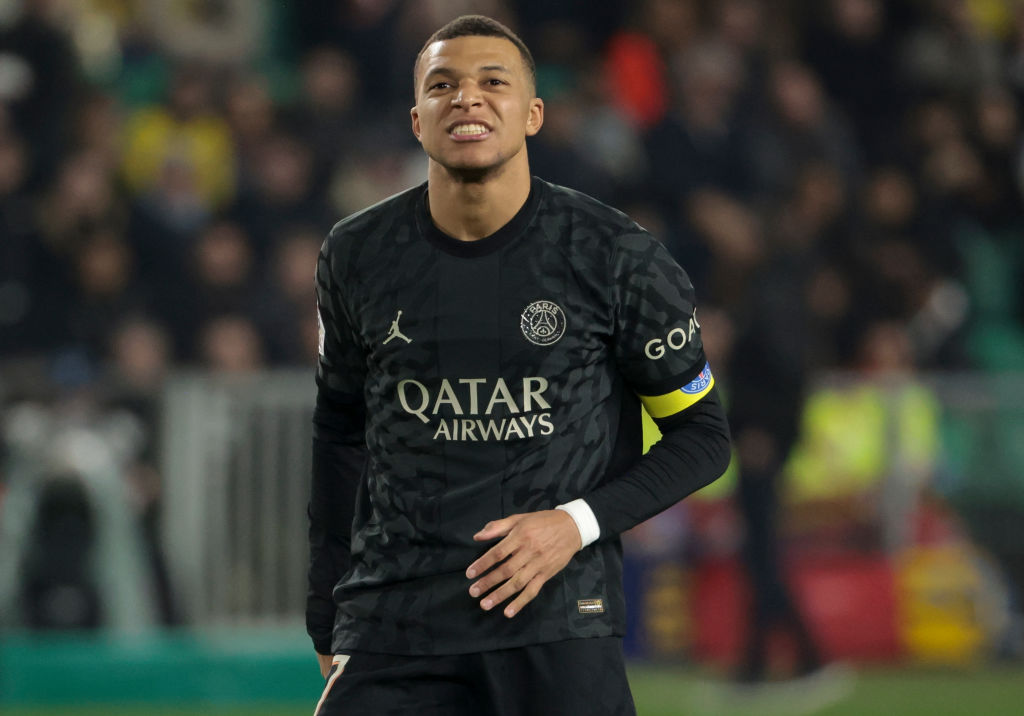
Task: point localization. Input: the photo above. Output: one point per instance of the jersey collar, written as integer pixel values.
(488, 244)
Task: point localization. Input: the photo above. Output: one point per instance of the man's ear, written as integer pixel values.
(535, 120)
(415, 116)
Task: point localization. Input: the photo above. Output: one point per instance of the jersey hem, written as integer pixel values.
(370, 644)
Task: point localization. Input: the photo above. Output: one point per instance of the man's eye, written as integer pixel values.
(494, 81)
(440, 85)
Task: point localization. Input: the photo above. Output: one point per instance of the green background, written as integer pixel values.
(273, 673)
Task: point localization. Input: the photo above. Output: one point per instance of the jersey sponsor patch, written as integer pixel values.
(675, 340)
(476, 409)
(543, 323)
(662, 406)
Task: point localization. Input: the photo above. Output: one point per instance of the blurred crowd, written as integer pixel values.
(168, 169)
(841, 178)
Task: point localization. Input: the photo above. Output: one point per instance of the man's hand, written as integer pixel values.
(325, 663)
(536, 547)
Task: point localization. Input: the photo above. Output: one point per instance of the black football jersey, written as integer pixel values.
(499, 376)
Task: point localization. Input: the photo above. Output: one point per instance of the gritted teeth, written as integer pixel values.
(467, 129)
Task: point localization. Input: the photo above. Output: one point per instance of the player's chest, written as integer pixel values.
(441, 312)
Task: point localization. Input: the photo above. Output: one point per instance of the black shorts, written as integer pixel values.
(578, 677)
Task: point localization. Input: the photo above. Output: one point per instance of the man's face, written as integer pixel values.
(475, 104)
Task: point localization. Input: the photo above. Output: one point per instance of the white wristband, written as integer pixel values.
(584, 518)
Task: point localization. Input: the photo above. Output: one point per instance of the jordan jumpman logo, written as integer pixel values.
(395, 331)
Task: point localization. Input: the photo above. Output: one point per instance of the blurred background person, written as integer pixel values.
(767, 374)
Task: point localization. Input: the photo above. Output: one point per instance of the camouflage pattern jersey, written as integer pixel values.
(499, 376)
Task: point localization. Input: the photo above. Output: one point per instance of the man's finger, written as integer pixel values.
(497, 528)
(526, 595)
(499, 574)
(510, 588)
(498, 552)
(325, 661)
(490, 558)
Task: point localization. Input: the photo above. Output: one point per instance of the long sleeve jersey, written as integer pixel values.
(462, 382)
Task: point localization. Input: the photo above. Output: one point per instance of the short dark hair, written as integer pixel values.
(477, 26)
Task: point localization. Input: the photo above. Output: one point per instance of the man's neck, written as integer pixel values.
(471, 210)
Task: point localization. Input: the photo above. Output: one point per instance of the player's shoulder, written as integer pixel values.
(366, 229)
(585, 210)
(590, 223)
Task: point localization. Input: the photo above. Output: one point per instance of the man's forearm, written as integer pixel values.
(339, 455)
(328, 559)
(693, 452)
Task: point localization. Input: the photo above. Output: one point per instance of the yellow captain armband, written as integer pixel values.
(662, 406)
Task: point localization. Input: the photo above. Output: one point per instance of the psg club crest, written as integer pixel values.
(698, 384)
(543, 323)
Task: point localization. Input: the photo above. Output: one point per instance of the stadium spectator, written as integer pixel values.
(699, 169)
(252, 115)
(98, 128)
(951, 50)
(27, 267)
(228, 34)
(326, 113)
(856, 33)
(139, 360)
(59, 587)
(765, 398)
(82, 198)
(560, 154)
(283, 192)
(371, 175)
(106, 289)
(39, 83)
(140, 356)
(799, 125)
(181, 147)
(637, 77)
(289, 326)
(231, 344)
(370, 33)
(222, 278)
(728, 236)
(700, 144)
(994, 122)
